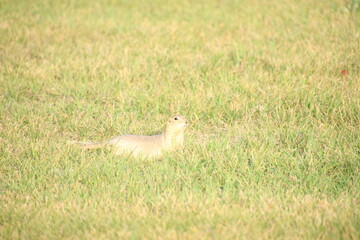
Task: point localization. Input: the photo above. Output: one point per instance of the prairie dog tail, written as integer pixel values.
(87, 145)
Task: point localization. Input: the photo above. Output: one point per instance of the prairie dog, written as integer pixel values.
(170, 139)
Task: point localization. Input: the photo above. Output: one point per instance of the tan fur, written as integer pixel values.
(146, 146)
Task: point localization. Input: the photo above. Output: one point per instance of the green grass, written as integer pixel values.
(271, 89)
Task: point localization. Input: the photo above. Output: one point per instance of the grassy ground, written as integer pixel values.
(271, 89)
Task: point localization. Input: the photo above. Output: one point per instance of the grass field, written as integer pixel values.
(271, 89)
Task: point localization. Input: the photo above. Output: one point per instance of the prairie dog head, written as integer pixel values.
(177, 123)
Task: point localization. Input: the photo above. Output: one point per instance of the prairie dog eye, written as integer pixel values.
(176, 119)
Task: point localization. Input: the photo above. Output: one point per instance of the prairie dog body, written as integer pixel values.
(170, 139)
